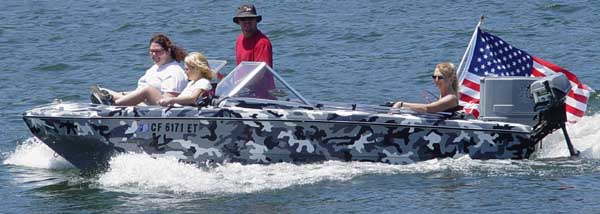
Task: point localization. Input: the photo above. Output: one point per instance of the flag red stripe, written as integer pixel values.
(471, 84)
(574, 111)
(468, 99)
(580, 98)
(536, 73)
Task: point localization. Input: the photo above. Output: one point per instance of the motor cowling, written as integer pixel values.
(549, 91)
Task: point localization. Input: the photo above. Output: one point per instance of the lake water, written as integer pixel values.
(363, 51)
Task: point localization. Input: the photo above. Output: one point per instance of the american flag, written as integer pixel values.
(491, 56)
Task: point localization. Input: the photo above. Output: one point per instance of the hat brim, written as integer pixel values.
(258, 18)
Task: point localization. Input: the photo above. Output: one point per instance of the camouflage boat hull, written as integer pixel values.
(88, 135)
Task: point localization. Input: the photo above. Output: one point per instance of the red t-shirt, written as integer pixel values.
(257, 48)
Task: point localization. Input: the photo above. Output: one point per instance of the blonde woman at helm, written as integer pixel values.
(444, 77)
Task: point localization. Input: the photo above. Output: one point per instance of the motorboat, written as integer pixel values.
(242, 124)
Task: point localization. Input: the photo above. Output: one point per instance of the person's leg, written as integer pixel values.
(153, 96)
(114, 94)
(148, 94)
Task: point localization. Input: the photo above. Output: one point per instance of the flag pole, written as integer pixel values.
(461, 67)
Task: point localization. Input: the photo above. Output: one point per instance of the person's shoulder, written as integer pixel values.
(174, 66)
(262, 36)
(174, 70)
(202, 83)
(205, 83)
(263, 40)
(203, 80)
(154, 67)
(240, 37)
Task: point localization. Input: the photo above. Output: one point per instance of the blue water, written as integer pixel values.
(363, 51)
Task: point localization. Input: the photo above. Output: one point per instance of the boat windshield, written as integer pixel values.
(216, 65)
(257, 80)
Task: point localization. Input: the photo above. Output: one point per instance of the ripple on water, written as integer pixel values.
(562, 8)
(55, 38)
(54, 67)
(194, 31)
(124, 27)
(93, 56)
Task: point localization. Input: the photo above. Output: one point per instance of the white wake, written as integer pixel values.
(584, 135)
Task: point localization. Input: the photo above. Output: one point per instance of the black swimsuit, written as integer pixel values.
(453, 109)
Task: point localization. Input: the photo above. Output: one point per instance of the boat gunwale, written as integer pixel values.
(281, 120)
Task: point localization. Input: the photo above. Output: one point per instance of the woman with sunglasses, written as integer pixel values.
(166, 75)
(444, 77)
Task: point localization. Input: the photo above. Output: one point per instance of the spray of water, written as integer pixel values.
(167, 174)
(142, 173)
(584, 136)
(33, 153)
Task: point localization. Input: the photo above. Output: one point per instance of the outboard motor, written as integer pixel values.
(549, 91)
(549, 95)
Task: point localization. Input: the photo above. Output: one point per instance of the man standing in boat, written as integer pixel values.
(253, 45)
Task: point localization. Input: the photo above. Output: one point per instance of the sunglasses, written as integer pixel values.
(157, 51)
(437, 77)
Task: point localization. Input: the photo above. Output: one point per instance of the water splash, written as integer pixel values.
(167, 174)
(33, 153)
(142, 173)
(584, 136)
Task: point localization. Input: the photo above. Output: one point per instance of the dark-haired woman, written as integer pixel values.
(166, 75)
